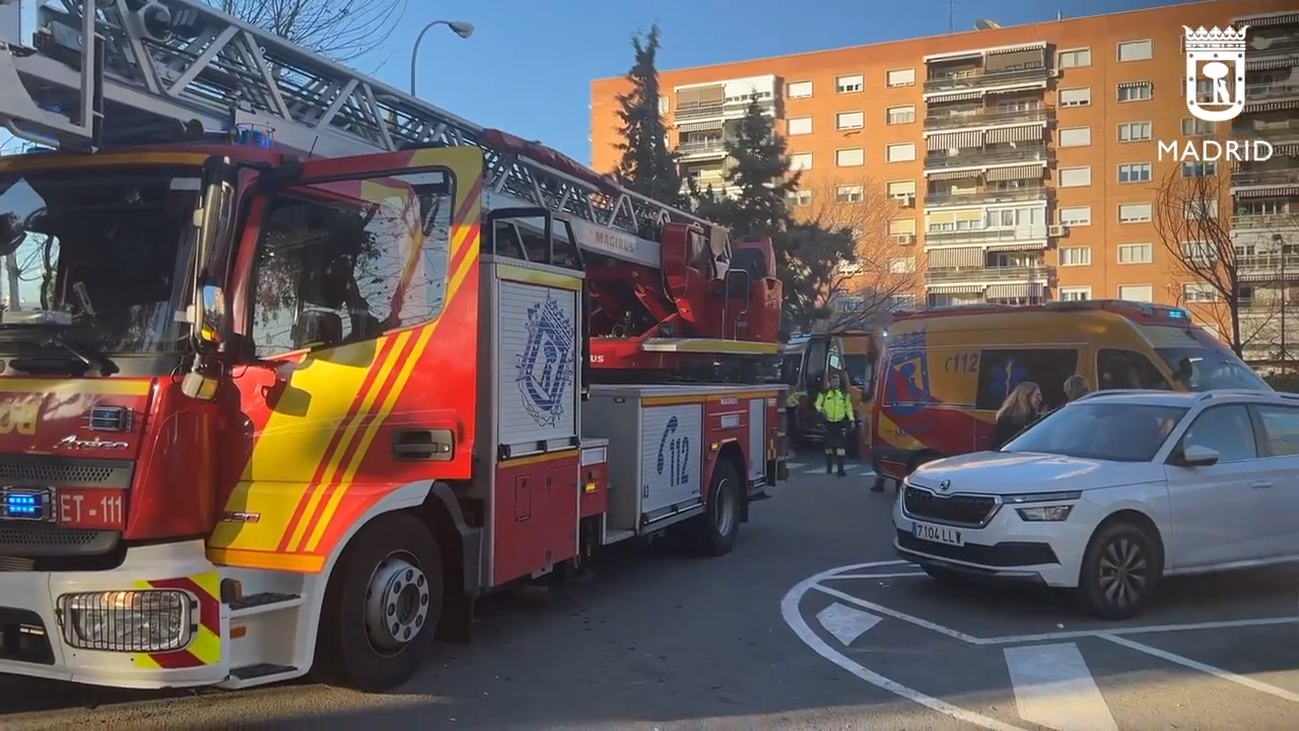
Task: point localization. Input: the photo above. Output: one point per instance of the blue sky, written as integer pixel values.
(528, 67)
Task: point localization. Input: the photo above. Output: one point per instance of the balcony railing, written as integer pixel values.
(699, 147)
(987, 235)
(1269, 92)
(1268, 265)
(981, 79)
(1265, 177)
(988, 274)
(1269, 221)
(988, 117)
(975, 197)
(713, 110)
(971, 157)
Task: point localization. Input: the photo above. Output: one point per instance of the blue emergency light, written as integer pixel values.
(22, 506)
(253, 135)
(1178, 315)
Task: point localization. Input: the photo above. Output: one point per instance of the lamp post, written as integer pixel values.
(1279, 242)
(460, 28)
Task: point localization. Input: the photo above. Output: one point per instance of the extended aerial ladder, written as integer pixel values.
(104, 73)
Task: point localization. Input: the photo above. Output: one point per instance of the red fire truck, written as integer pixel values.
(306, 365)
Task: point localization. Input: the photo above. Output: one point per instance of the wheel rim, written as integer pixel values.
(727, 509)
(397, 602)
(1123, 572)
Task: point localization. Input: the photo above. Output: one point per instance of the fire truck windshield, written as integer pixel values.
(109, 247)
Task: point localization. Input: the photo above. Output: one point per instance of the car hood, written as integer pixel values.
(1018, 473)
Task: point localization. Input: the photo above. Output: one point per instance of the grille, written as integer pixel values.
(51, 540)
(971, 510)
(40, 471)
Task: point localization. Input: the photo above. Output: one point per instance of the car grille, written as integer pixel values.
(971, 510)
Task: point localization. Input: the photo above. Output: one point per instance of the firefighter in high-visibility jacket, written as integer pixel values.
(835, 407)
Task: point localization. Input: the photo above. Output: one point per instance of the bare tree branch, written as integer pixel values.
(886, 268)
(340, 29)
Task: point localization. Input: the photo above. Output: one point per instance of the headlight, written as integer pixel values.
(1045, 513)
(127, 621)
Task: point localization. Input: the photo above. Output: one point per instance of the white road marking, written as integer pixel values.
(1217, 672)
(1054, 688)
(890, 575)
(795, 465)
(789, 611)
(890, 612)
(846, 623)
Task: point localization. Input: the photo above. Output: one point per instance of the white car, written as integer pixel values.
(1113, 492)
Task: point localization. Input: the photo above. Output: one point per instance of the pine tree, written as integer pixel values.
(647, 165)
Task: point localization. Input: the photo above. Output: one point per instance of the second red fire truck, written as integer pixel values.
(307, 365)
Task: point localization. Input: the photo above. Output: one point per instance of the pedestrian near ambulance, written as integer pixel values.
(1075, 387)
(1021, 408)
(835, 407)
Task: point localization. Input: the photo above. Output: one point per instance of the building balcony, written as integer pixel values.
(1279, 178)
(1255, 223)
(986, 197)
(988, 117)
(702, 148)
(978, 157)
(719, 110)
(958, 275)
(1268, 267)
(986, 235)
(982, 79)
(1260, 94)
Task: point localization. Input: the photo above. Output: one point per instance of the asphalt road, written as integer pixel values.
(661, 641)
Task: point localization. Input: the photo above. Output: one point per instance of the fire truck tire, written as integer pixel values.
(717, 530)
(382, 607)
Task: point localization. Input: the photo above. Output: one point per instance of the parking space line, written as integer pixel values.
(846, 623)
(789, 610)
(1187, 662)
(1139, 630)
(889, 612)
(891, 575)
(1054, 688)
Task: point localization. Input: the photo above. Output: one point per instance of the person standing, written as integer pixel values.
(835, 407)
(1075, 387)
(1021, 408)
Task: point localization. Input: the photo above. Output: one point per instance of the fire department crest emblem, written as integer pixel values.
(544, 370)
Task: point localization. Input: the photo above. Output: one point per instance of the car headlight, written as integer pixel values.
(127, 621)
(1045, 513)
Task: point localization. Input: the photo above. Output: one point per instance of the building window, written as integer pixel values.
(664, 104)
(1076, 216)
(1136, 91)
(1199, 293)
(1198, 209)
(902, 115)
(1137, 292)
(1136, 50)
(798, 126)
(850, 158)
(800, 161)
(1136, 172)
(902, 265)
(1075, 294)
(901, 188)
(800, 198)
(1074, 58)
(798, 90)
(1199, 169)
(1075, 256)
(902, 302)
(1193, 126)
(1078, 177)
(848, 84)
(1136, 213)
(1134, 131)
(849, 194)
(1199, 252)
(1076, 137)
(850, 120)
(901, 152)
(902, 227)
(1080, 97)
(1136, 253)
(901, 77)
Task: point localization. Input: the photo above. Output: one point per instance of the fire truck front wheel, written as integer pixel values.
(382, 606)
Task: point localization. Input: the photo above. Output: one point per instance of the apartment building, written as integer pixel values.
(1023, 160)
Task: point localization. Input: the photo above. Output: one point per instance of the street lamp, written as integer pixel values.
(460, 28)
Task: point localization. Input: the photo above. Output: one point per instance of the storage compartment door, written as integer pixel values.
(537, 369)
(671, 457)
(757, 438)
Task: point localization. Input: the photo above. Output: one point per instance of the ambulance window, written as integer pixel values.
(1126, 369)
(332, 265)
(1001, 370)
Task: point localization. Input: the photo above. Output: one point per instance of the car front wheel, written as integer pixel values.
(1120, 568)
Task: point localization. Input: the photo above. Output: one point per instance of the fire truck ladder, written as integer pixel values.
(138, 70)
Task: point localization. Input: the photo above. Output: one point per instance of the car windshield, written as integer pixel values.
(1114, 431)
(1203, 369)
(108, 246)
(858, 366)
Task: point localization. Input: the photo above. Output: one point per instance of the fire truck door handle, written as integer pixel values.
(423, 445)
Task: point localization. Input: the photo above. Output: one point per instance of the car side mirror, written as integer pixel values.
(1197, 456)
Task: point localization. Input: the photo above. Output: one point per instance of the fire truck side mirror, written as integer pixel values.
(212, 318)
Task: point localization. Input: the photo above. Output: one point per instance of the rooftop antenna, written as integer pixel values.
(951, 15)
(985, 24)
